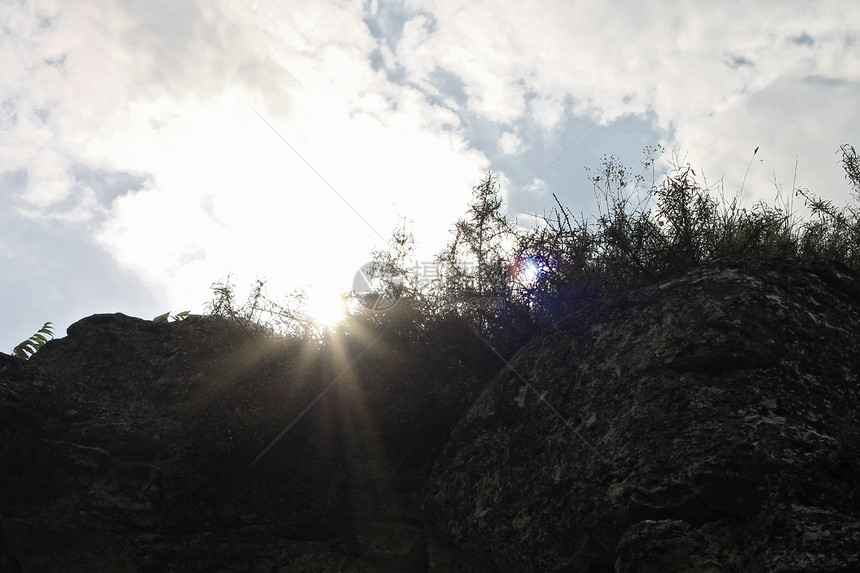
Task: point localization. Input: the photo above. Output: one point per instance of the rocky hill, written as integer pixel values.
(707, 423)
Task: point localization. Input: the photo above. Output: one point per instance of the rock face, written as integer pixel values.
(128, 446)
(707, 423)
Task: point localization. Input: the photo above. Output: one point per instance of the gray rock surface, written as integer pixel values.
(706, 423)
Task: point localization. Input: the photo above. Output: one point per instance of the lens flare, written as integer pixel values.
(528, 269)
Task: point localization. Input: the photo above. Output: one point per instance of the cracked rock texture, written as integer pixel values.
(706, 423)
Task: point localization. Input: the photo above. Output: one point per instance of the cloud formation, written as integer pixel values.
(700, 71)
(186, 140)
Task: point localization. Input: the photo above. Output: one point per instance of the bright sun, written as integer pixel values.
(528, 270)
(324, 307)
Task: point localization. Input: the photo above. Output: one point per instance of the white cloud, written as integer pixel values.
(174, 94)
(788, 129)
(510, 143)
(168, 91)
(530, 221)
(547, 110)
(699, 69)
(537, 187)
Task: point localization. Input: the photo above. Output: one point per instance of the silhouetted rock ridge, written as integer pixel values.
(708, 422)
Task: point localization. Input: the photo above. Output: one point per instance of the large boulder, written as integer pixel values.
(706, 423)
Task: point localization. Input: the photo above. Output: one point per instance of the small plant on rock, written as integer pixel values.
(175, 318)
(30, 346)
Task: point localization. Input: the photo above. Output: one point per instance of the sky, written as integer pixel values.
(149, 149)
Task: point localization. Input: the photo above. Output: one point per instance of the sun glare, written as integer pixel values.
(324, 308)
(527, 270)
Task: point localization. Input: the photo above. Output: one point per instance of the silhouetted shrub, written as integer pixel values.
(419, 362)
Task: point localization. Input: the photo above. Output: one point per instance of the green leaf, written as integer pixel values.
(162, 317)
(24, 350)
(29, 347)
